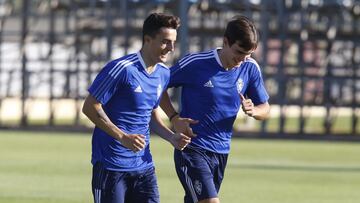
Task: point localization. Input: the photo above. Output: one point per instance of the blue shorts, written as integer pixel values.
(124, 187)
(200, 172)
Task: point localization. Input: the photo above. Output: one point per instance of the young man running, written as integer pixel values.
(122, 100)
(214, 85)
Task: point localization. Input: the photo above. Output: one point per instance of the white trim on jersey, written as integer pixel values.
(162, 64)
(217, 57)
(251, 60)
(143, 62)
(189, 184)
(131, 58)
(248, 60)
(113, 73)
(193, 57)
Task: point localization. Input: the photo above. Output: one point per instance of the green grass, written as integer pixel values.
(342, 124)
(314, 124)
(55, 168)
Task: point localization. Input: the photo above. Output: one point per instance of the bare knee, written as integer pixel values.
(210, 200)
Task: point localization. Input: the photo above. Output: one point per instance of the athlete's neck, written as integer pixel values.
(150, 65)
(223, 61)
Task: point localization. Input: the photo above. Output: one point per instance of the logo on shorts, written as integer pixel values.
(198, 186)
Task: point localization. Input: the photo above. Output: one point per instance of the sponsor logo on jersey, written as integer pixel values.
(138, 89)
(208, 84)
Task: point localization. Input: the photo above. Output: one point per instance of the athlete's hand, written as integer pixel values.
(182, 125)
(135, 142)
(247, 106)
(180, 141)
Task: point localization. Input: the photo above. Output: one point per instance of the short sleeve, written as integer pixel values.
(256, 90)
(107, 82)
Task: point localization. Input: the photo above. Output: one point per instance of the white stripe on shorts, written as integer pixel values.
(189, 184)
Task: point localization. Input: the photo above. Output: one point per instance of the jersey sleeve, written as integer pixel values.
(256, 90)
(107, 82)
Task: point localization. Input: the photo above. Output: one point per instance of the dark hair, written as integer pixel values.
(242, 31)
(155, 21)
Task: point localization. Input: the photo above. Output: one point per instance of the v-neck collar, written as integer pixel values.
(217, 57)
(143, 63)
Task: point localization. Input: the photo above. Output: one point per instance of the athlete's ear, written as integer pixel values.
(147, 39)
(225, 41)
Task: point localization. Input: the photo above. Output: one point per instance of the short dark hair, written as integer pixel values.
(242, 31)
(155, 21)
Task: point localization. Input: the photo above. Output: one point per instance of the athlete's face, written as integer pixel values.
(162, 44)
(234, 54)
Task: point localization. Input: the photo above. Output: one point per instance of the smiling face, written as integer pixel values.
(161, 45)
(233, 55)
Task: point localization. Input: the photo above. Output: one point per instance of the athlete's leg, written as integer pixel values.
(145, 189)
(194, 170)
(219, 162)
(108, 186)
(210, 200)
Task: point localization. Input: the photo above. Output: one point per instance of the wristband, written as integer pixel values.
(173, 116)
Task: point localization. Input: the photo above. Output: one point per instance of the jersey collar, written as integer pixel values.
(143, 63)
(215, 51)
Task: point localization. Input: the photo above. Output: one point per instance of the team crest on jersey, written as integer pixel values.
(239, 85)
(198, 186)
(159, 90)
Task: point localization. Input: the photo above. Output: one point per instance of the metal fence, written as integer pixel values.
(51, 50)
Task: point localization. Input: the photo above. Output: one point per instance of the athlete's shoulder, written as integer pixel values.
(125, 60)
(252, 63)
(116, 66)
(162, 70)
(196, 57)
(163, 67)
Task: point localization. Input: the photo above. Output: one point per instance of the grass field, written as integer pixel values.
(54, 168)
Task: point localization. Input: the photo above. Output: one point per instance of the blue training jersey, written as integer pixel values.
(128, 95)
(210, 94)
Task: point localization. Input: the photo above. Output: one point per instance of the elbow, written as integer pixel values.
(83, 110)
(85, 107)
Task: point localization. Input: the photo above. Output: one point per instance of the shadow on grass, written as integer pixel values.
(295, 168)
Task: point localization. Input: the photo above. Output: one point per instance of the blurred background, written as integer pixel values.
(309, 54)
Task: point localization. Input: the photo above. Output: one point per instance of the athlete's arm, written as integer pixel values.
(259, 112)
(94, 111)
(178, 140)
(181, 125)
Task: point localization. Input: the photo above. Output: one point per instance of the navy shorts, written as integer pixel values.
(124, 187)
(200, 172)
